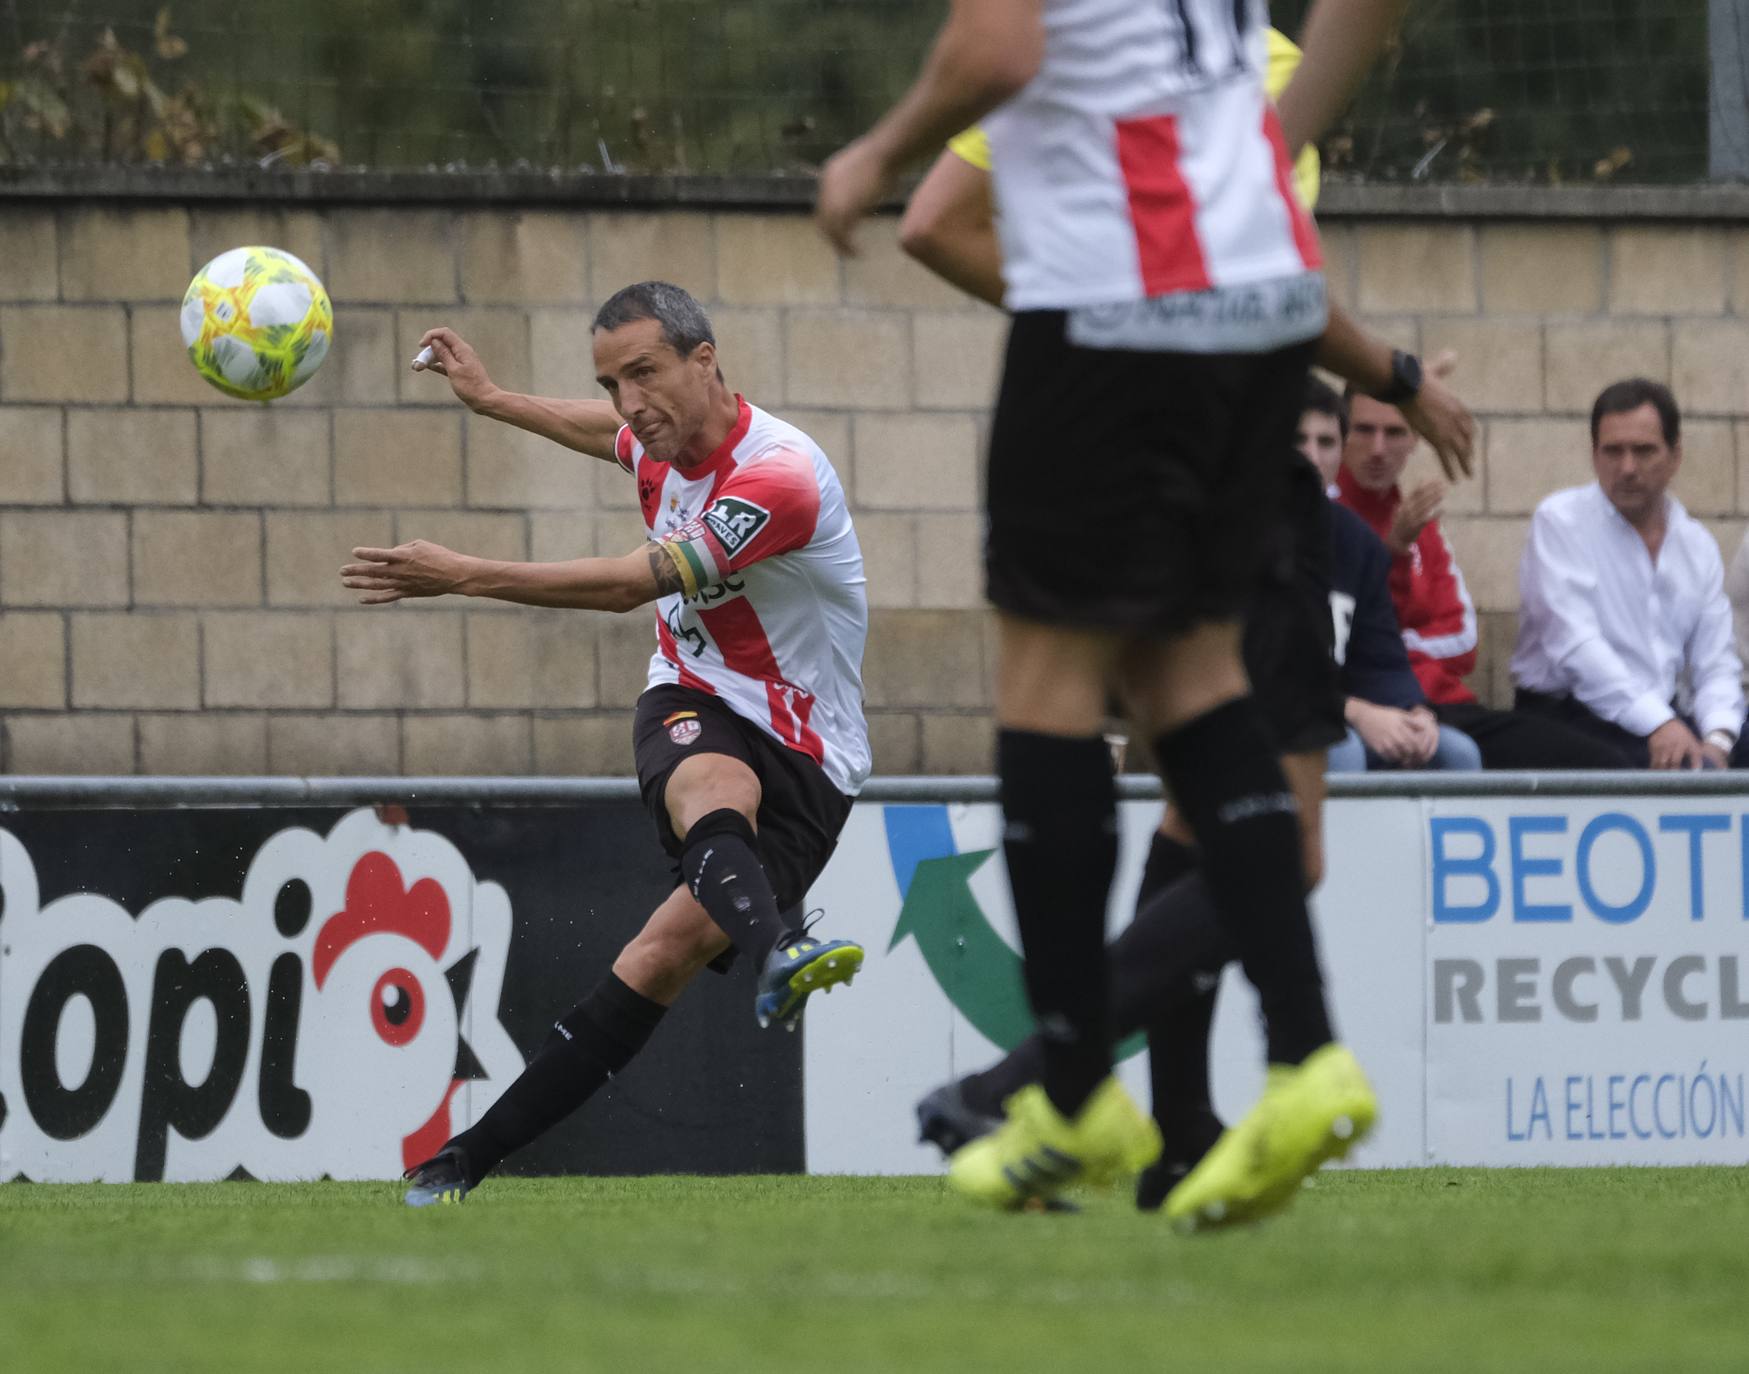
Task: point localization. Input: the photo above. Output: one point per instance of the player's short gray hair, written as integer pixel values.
(684, 324)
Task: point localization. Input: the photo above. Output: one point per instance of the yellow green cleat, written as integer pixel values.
(1309, 1113)
(1037, 1152)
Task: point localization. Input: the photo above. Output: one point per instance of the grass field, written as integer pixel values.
(1426, 1270)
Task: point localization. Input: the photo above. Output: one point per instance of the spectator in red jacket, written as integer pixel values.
(1433, 606)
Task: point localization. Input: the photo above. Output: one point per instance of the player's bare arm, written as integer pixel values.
(1435, 412)
(586, 426)
(985, 52)
(1340, 40)
(950, 227)
(420, 568)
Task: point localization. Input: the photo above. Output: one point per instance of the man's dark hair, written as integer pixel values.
(684, 324)
(1321, 397)
(1620, 397)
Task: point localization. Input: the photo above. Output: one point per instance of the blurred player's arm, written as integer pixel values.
(950, 227)
(1339, 41)
(985, 52)
(586, 426)
(421, 569)
(1434, 412)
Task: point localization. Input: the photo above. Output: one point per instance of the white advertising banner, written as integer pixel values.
(1526, 980)
(1587, 980)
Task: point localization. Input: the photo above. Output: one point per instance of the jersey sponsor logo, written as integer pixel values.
(321, 1021)
(685, 732)
(736, 522)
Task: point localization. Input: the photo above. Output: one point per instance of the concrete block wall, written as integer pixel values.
(168, 592)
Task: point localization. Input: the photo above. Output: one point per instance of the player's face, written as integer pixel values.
(1379, 443)
(664, 397)
(1320, 439)
(1633, 463)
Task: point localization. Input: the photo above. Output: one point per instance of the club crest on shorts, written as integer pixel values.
(684, 727)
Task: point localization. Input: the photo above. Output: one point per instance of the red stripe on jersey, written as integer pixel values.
(688, 678)
(622, 447)
(1162, 209)
(745, 649)
(1305, 232)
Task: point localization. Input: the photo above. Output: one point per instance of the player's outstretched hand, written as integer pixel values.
(453, 357)
(417, 568)
(851, 184)
(1444, 421)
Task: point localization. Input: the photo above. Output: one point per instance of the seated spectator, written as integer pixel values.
(1625, 631)
(1737, 593)
(1434, 610)
(1389, 723)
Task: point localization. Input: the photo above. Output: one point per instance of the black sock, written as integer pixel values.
(1059, 807)
(986, 1092)
(1165, 968)
(1168, 861)
(722, 867)
(587, 1046)
(1158, 968)
(1225, 777)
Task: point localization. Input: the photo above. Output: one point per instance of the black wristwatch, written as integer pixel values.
(1405, 383)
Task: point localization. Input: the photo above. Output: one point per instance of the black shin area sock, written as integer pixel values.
(1166, 955)
(986, 1092)
(1178, 1075)
(722, 867)
(1168, 861)
(1059, 808)
(1165, 969)
(1223, 774)
(586, 1046)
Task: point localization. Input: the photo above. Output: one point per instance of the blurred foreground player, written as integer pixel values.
(1166, 177)
(750, 740)
(1165, 966)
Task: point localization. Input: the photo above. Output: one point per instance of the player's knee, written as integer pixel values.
(710, 790)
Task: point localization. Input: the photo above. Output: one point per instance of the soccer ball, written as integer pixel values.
(257, 323)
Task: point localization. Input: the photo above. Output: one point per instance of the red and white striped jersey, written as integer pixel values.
(774, 614)
(1145, 160)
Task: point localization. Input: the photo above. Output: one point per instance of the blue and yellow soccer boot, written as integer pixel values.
(440, 1180)
(794, 971)
(1308, 1114)
(1037, 1152)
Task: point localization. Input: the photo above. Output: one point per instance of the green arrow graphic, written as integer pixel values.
(969, 961)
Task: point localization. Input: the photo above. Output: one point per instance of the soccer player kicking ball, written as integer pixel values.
(1166, 289)
(750, 740)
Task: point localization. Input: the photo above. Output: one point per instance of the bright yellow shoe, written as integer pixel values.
(1036, 1152)
(1316, 1111)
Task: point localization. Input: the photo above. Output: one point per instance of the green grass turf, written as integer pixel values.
(1460, 1270)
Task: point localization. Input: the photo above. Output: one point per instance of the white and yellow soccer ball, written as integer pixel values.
(257, 323)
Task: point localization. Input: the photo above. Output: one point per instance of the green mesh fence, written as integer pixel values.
(1496, 90)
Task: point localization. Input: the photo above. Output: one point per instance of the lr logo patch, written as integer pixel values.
(736, 522)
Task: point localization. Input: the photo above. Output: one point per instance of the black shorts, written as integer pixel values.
(1288, 631)
(800, 811)
(1134, 491)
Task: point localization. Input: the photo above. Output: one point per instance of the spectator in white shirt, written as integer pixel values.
(1625, 630)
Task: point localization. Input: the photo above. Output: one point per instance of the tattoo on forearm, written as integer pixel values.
(665, 570)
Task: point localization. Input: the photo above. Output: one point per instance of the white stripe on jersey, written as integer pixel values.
(1133, 154)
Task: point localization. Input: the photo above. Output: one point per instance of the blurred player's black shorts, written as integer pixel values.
(800, 811)
(1134, 491)
(1288, 631)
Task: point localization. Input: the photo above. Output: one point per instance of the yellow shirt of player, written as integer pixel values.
(1284, 60)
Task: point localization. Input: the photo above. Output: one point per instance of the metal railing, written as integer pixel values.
(36, 793)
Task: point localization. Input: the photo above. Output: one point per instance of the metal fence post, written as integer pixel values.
(1728, 125)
